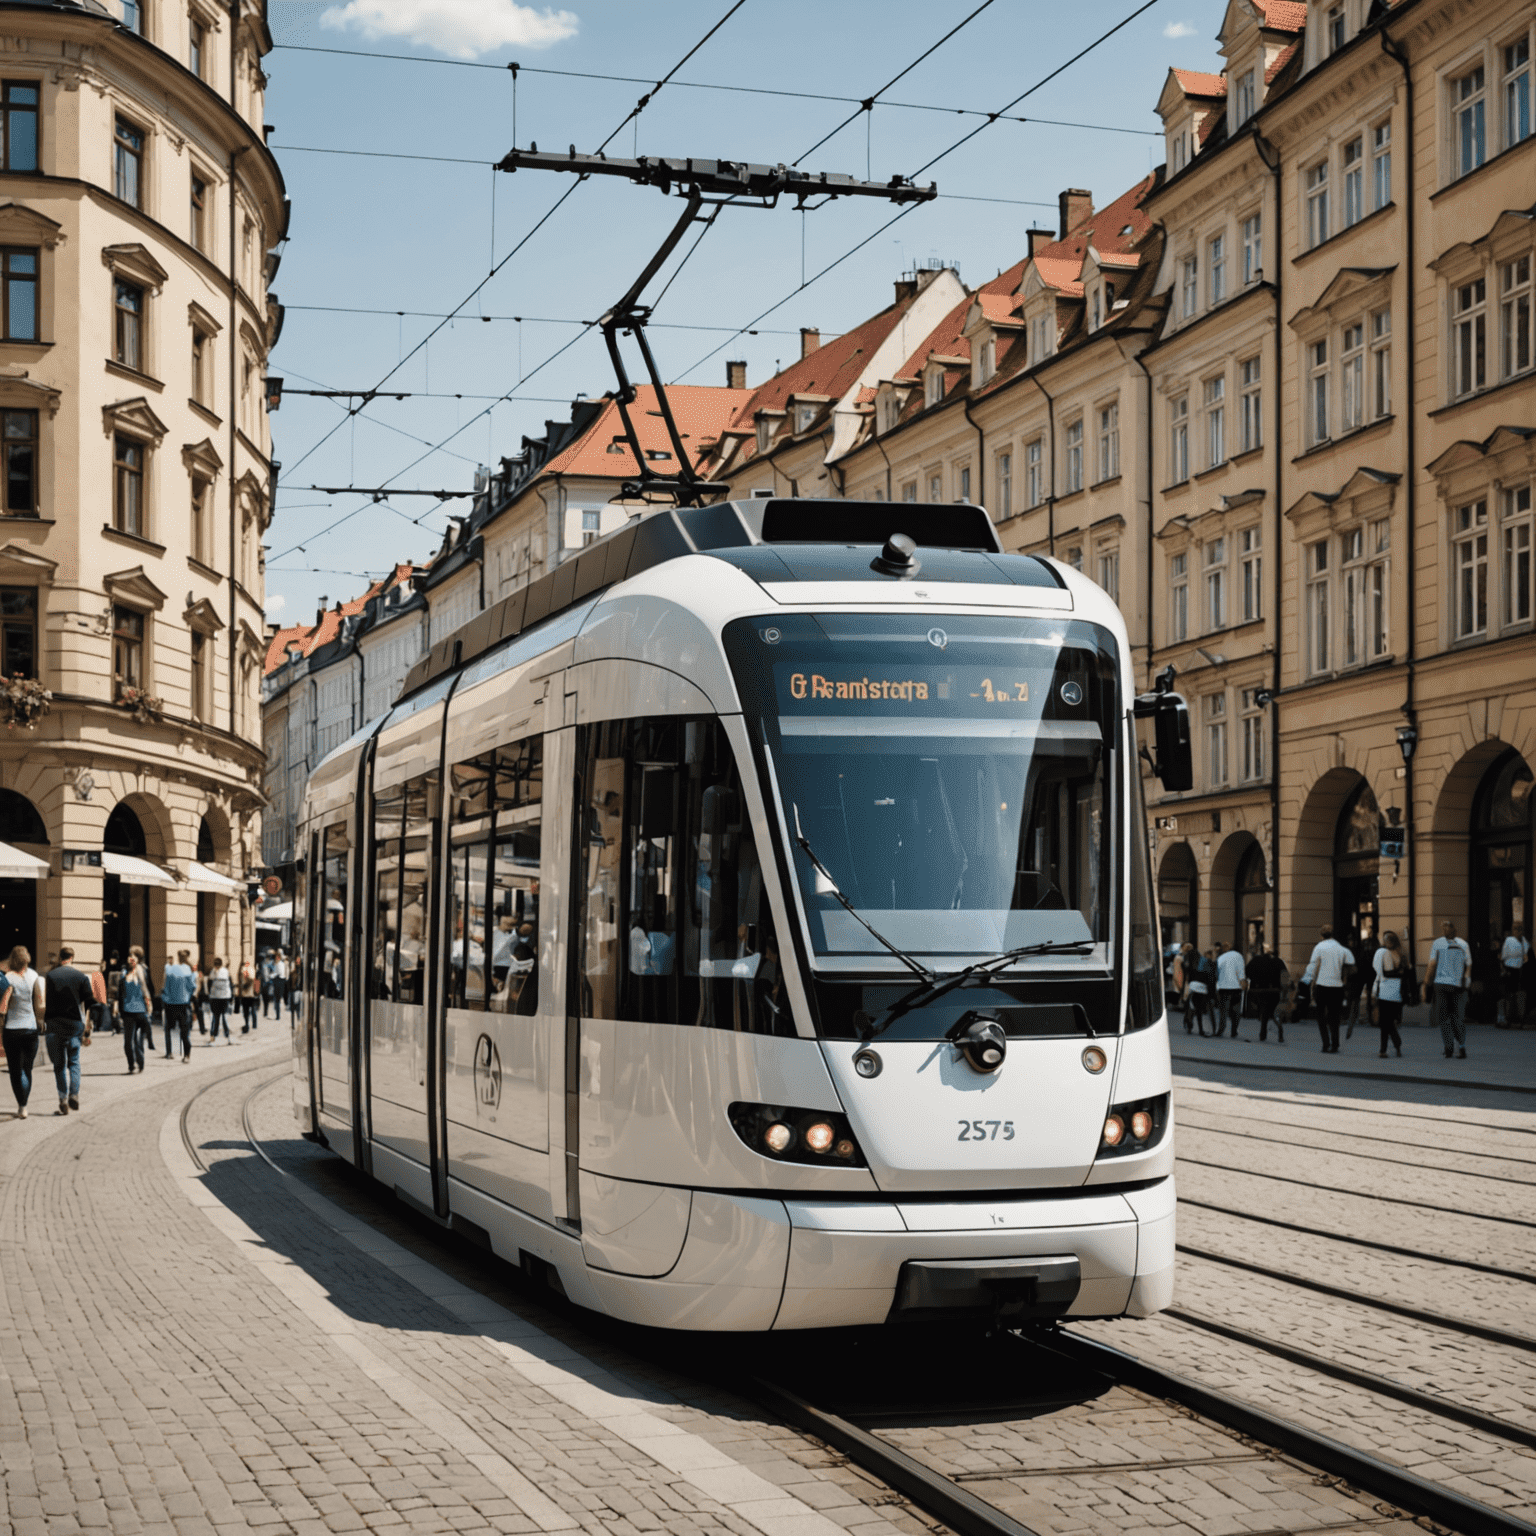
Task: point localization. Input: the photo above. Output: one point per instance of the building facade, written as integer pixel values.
(138, 207)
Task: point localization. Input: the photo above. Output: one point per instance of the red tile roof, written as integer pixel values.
(1281, 60)
(702, 412)
(310, 637)
(1197, 83)
(1283, 15)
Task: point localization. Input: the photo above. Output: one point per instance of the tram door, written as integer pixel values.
(328, 964)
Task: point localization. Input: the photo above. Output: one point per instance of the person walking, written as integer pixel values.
(1388, 965)
(221, 992)
(1231, 983)
(101, 1009)
(1266, 981)
(23, 1005)
(1182, 964)
(1514, 956)
(199, 999)
(247, 986)
(114, 970)
(134, 1003)
(1449, 979)
(1199, 978)
(178, 989)
(1357, 990)
(1326, 972)
(67, 1015)
(269, 998)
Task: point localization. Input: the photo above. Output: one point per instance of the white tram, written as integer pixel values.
(632, 936)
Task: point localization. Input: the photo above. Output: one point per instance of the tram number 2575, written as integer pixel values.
(985, 1130)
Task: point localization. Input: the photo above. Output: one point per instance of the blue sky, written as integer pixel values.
(417, 235)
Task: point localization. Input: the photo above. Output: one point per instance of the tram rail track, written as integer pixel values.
(1370, 1077)
(1195, 1085)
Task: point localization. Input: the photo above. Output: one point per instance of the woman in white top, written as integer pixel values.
(221, 989)
(1387, 989)
(22, 1006)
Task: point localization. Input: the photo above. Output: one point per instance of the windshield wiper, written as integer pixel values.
(834, 890)
(935, 987)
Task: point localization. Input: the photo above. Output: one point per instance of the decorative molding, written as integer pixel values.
(1348, 287)
(20, 225)
(201, 615)
(202, 459)
(23, 392)
(134, 261)
(135, 418)
(199, 319)
(18, 562)
(135, 589)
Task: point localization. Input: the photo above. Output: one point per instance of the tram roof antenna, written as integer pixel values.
(712, 184)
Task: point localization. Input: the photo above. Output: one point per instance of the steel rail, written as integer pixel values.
(1373, 1077)
(1196, 1086)
(219, 1082)
(1391, 1141)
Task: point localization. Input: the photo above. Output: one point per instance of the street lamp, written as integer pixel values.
(1407, 741)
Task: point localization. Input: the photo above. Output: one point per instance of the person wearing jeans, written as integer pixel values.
(1450, 977)
(221, 993)
(179, 984)
(67, 1015)
(1326, 973)
(22, 1004)
(133, 1002)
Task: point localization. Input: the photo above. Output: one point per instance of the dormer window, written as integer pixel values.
(933, 386)
(1096, 310)
(1178, 153)
(1336, 29)
(1247, 100)
(887, 409)
(804, 416)
(764, 434)
(986, 361)
(1042, 338)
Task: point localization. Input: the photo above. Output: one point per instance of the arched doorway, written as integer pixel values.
(1250, 893)
(124, 907)
(1178, 895)
(20, 825)
(1499, 875)
(1356, 859)
(205, 914)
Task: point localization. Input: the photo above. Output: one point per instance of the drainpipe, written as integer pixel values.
(890, 494)
(1050, 490)
(1266, 150)
(1146, 417)
(234, 386)
(1394, 51)
(981, 454)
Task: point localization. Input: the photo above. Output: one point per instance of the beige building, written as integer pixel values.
(138, 206)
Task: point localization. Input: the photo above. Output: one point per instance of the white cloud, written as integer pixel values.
(1173, 29)
(463, 28)
(276, 602)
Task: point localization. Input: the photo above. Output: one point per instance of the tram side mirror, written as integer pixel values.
(1174, 762)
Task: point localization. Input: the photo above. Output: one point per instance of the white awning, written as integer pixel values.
(281, 913)
(132, 871)
(201, 878)
(16, 865)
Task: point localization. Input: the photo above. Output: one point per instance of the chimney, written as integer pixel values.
(1075, 204)
(906, 287)
(736, 375)
(809, 340)
(1038, 238)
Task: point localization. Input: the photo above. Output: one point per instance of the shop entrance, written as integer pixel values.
(124, 907)
(1356, 861)
(1500, 874)
(1178, 895)
(22, 828)
(1250, 893)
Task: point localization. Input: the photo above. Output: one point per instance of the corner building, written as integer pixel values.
(138, 204)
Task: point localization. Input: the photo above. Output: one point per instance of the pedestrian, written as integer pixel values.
(1357, 989)
(199, 999)
(114, 970)
(1231, 983)
(1450, 978)
(23, 1005)
(1266, 980)
(1387, 989)
(67, 1015)
(134, 1001)
(221, 992)
(248, 986)
(1200, 975)
(1326, 972)
(177, 989)
(269, 998)
(101, 1009)
(1514, 956)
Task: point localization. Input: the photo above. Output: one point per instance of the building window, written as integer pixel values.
(965, 483)
(128, 485)
(1253, 248)
(1380, 383)
(1179, 439)
(764, 429)
(1096, 314)
(1252, 400)
(1109, 441)
(1216, 739)
(18, 443)
(1250, 551)
(18, 276)
(1034, 487)
(1004, 487)
(1517, 91)
(1178, 606)
(804, 416)
(1190, 285)
(1217, 251)
(1352, 377)
(1254, 734)
(202, 533)
(1317, 204)
(1470, 121)
(1042, 338)
(1109, 572)
(1469, 337)
(1247, 97)
(1470, 563)
(1516, 520)
(133, 15)
(127, 648)
(18, 125)
(1381, 164)
(199, 688)
(199, 214)
(128, 324)
(1216, 585)
(1317, 601)
(933, 386)
(1180, 155)
(909, 491)
(1317, 392)
(936, 487)
(1354, 182)
(1074, 480)
(202, 368)
(1365, 592)
(1337, 31)
(128, 163)
(197, 48)
(1216, 420)
(18, 632)
(986, 364)
(1515, 335)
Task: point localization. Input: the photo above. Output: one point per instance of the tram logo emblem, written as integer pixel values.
(937, 637)
(487, 1073)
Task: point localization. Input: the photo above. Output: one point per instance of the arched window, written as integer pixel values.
(1250, 892)
(124, 834)
(1356, 858)
(1178, 895)
(1500, 873)
(19, 821)
(205, 853)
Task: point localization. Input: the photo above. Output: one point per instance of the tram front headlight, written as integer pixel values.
(1136, 1126)
(1141, 1125)
(1114, 1131)
(777, 1136)
(812, 1136)
(819, 1137)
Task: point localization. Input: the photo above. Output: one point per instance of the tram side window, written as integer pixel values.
(675, 925)
(415, 882)
(388, 819)
(333, 919)
(469, 837)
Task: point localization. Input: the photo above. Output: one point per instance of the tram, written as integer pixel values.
(749, 926)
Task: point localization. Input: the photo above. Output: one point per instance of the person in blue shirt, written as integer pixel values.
(133, 1003)
(177, 990)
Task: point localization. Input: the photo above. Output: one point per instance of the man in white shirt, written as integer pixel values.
(1231, 983)
(1450, 980)
(1326, 972)
(1514, 956)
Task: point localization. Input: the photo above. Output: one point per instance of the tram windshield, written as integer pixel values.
(951, 775)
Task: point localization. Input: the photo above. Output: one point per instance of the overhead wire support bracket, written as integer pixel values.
(712, 184)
